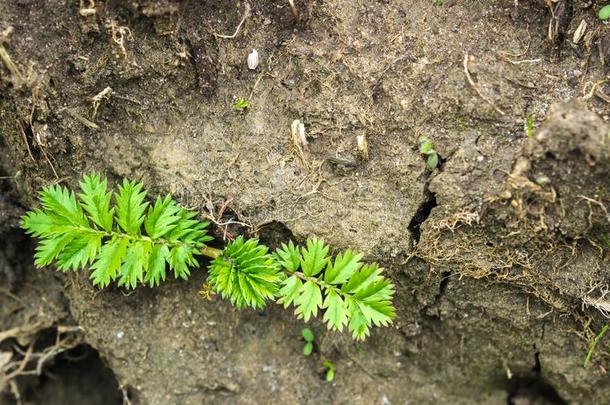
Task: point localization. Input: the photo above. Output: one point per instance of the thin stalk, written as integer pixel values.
(320, 282)
(5, 57)
(211, 252)
(594, 343)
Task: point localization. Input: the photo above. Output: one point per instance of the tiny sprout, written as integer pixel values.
(530, 126)
(604, 13)
(330, 370)
(309, 338)
(426, 148)
(242, 105)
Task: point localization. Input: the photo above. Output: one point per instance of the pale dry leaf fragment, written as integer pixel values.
(253, 60)
(299, 140)
(5, 358)
(87, 10)
(363, 146)
(119, 35)
(580, 32)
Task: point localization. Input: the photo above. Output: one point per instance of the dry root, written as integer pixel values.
(120, 34)
(32, 362)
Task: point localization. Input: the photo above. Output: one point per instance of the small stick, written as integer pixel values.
(25, 139)
(476, 89)
(246, 15)
(82, 119)
(46, 155)
(293, 9)
(8, 62)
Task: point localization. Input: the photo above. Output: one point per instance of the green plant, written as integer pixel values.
(330, 370)
(309, 338)
(594, 343)
(529, 125)
(123, 238)
(118, 234)
(604, 13)
(241, 105)
(426, 148)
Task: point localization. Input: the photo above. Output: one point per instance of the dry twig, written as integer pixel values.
(246, 15)
(476, 89)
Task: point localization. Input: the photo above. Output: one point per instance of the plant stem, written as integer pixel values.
(595, 342)
(211, 252)
(320, 282)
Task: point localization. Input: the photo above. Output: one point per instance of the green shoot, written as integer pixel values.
(309, 338)
(426, 148)
(594, 343)
(242, 105)
(330, 370)
(604, 13)
(529, 126)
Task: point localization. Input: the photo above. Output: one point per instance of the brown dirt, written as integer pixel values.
(498, 255)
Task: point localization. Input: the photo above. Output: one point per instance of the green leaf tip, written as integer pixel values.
(118, 235)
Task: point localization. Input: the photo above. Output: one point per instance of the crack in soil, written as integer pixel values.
(421, 215)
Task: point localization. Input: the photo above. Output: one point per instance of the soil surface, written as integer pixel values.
(500, 254)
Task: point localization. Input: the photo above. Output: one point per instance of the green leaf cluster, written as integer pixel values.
(119, 235)
(348, 292)
(245, 274)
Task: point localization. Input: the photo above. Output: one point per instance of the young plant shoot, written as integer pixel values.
(125, 239)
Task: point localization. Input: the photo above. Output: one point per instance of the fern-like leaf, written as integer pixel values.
(109, 261)
(162, 217)
(130, 206)
(245, 274)
(77, 233)
(349, 293)
(291, 289)
(314, 257)
(95, 200)
(288, 257)
(308, 301)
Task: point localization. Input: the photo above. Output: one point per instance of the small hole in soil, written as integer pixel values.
(274, 234)
(77, 376)
(532, 388)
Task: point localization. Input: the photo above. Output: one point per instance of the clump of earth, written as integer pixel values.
(499, 254)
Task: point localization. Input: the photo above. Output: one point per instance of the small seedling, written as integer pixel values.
(529, 125)
(426, 148)
(330, 370)
(242, 105)
(594, 343)
(604, 13)
(309, 338)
